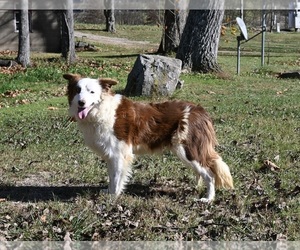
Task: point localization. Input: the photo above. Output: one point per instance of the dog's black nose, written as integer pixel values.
(81, 103)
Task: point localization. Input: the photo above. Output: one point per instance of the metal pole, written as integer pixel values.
(238, 63)
(263, 36)
(238, 67)
(242, 10)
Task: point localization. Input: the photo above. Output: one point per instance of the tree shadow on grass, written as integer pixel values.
(69, 193)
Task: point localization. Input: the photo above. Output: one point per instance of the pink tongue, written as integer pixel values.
(82, 112)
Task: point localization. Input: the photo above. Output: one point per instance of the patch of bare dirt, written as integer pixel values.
(112, 40)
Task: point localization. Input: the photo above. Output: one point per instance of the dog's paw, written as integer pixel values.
(204, 200)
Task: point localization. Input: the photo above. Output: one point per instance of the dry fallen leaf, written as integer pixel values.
(43, 218)
(280, 92)
(295, 191)
(281, 237)
(52, 108)
(270, 165)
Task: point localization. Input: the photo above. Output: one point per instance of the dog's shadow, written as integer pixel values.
(69, 193)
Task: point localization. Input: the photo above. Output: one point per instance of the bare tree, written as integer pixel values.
(174, 21)
(198, 47)
(109, 14)
(68, 40)
(24, 40)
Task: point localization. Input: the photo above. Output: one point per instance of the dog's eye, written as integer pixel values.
(78, 90)
(92, 92)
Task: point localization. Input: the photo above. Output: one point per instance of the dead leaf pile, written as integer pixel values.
(11, 94)
(8, 52)
(12, 70)
(120, 218)
(14, 93)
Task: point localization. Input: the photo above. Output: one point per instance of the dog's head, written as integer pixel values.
(84, 93)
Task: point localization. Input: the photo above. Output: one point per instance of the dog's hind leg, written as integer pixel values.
(208, 178)
(201, 172)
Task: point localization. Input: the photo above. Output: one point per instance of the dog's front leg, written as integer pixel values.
(118, 171)
(114, 173)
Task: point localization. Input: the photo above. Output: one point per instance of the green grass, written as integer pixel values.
(50, 183)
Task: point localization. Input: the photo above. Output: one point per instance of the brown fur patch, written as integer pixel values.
(71, 91)
(148, 124)
(107, 83)
(201, 138)
(155, 125)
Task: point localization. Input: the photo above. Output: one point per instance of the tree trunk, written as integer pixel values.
(198, 47)
(68, 40)
(24, 41)
(173, 28)
(109, 14)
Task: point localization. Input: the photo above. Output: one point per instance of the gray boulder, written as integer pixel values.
(153, 75)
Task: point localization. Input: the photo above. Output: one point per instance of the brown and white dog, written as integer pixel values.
(117, 128)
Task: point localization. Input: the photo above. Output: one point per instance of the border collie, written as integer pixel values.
(117, 128)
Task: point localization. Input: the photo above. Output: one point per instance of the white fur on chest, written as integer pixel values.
(97, 128)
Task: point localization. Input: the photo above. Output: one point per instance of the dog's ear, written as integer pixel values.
(106, 83)
(71, 90)
(72, 77)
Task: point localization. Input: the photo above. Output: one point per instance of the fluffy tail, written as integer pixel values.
(223, 178)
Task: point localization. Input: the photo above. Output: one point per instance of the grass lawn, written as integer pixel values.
(50, 183)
